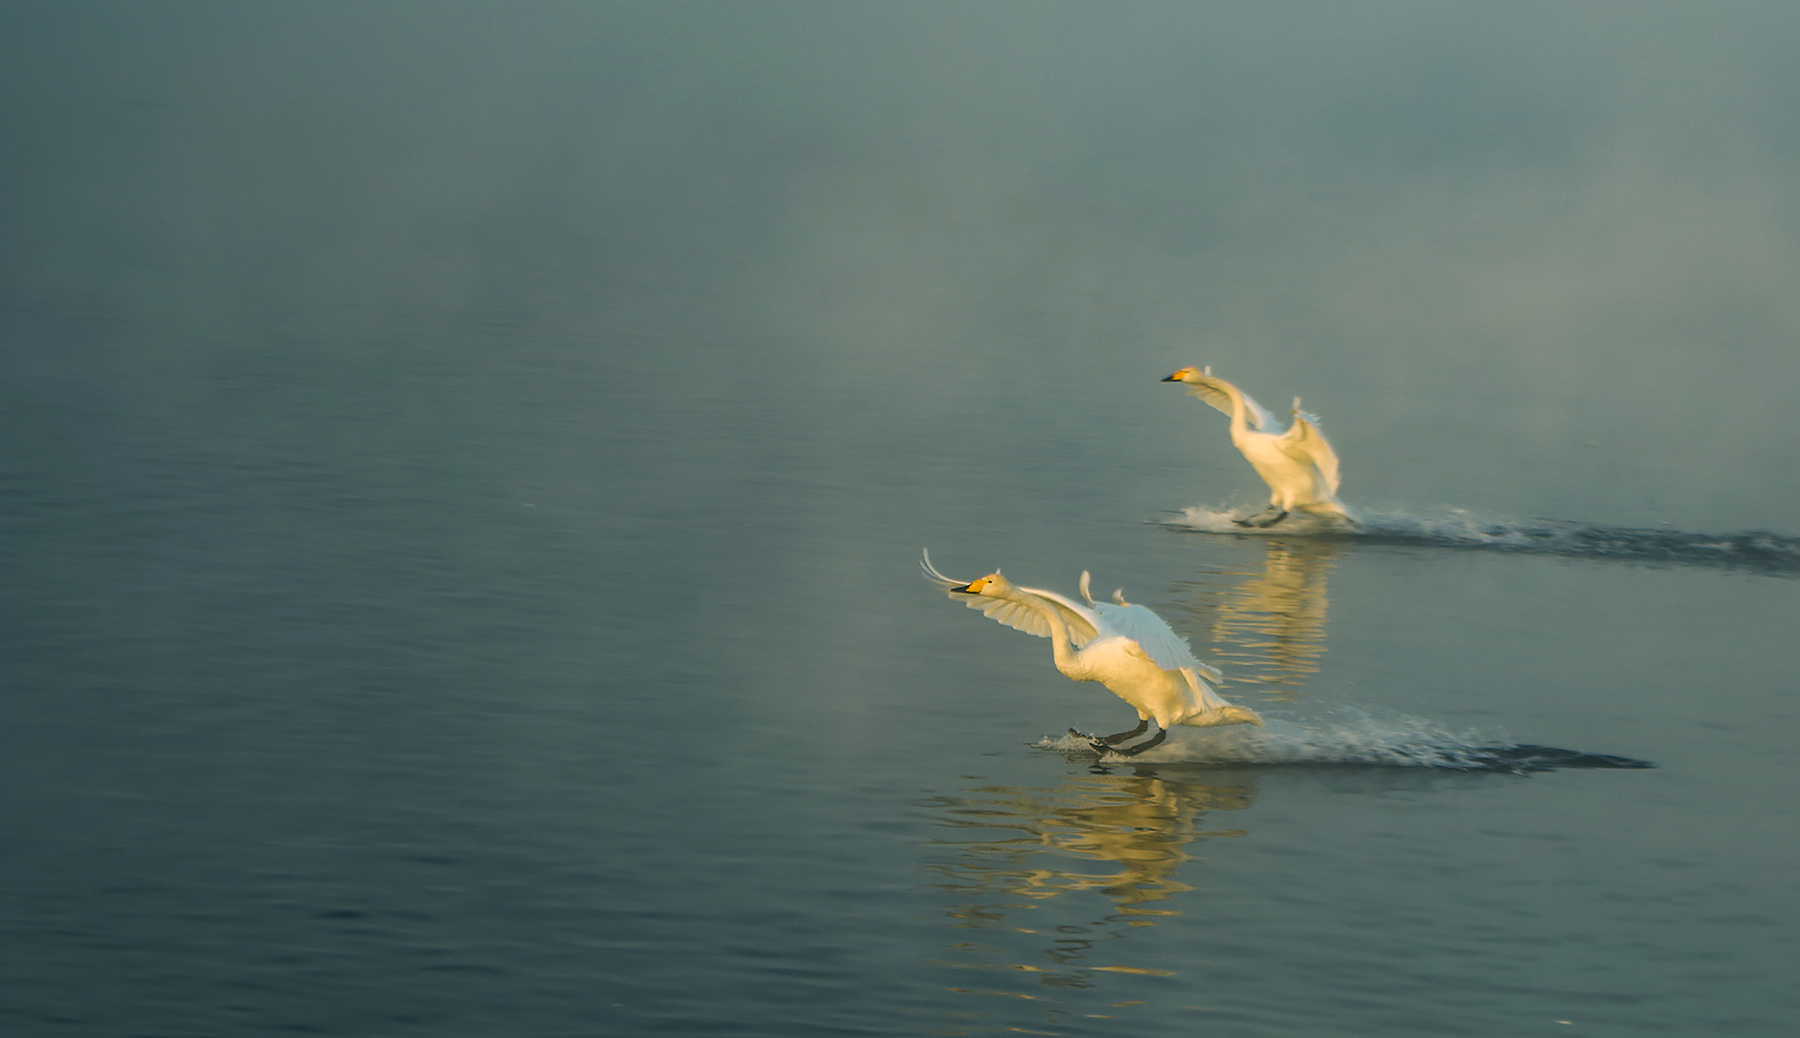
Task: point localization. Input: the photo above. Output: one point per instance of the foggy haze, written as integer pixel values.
(1515, 229)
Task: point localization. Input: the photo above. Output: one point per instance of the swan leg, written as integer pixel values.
(1119, 737)
(1132, 751)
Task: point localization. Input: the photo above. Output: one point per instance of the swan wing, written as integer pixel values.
(1214, 390)
(1159, 643)
(933, 576)
(1080, 620)
(1307, 445)
(1259, 416)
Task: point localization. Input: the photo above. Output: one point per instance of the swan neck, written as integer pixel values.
(1060, 645)
(1239, 423)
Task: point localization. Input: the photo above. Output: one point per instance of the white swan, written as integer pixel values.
(1125, 647)
(1299, 465)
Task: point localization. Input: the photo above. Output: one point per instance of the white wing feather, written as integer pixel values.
(933, 576)
(1081, 621)
(1163, 646)
(1214, 390)
(1308, 446)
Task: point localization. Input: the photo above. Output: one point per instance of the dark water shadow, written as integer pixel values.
(1525, 758)
(1753, 551)
(1395, 745)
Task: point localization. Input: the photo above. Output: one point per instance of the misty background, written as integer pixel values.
(1530, 258)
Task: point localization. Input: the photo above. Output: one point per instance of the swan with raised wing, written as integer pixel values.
(1125, 647)
(1298, 463)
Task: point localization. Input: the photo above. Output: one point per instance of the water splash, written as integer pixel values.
(1360, 740)
(1757, 550)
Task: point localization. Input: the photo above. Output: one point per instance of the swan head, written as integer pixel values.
(1192, 376)
(991, 586)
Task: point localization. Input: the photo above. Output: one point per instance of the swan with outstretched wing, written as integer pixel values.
(1125, 647)
(1297, 463)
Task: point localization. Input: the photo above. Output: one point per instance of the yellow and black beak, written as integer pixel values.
(973, 587)
(1173, 378)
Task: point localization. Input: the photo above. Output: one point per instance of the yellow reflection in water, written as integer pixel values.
(1010, 857)
(1267, 629)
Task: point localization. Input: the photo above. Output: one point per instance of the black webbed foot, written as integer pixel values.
(1265, 518)
(1095, 742)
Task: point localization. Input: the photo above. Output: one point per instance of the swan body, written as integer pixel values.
(1125, 647)
(1298, 463)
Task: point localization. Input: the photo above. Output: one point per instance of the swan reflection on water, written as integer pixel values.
(1050, 879)
(1266, 629)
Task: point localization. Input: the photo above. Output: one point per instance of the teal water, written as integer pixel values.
(464, 469)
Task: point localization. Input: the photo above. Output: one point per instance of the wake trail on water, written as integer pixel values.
(1357, 741)
(1758, 551)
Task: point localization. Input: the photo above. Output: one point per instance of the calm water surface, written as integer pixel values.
(463, 470)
